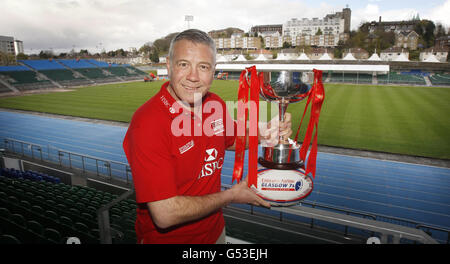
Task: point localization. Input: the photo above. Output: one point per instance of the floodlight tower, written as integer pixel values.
(188, 18)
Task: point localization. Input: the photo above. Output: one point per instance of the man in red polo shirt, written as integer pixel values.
(175, 146)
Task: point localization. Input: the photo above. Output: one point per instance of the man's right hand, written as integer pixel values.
(241, 193)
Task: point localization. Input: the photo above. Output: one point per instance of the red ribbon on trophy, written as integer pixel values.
(242, 133)
(316, 95)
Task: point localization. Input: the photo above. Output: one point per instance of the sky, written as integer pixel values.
(63, 25)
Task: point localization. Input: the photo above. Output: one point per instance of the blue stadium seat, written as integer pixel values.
(43, 64)
(13, 68)
(77, 64)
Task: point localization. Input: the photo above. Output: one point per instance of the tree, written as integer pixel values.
(319, 32)
(154, 56)
(84, 52)
(287, 45)
(163, 44)
(46, 54)
(22, 56)
(426, 30)
(146, 48)
(7, 59)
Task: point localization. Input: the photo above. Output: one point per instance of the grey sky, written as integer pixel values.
(83, 24)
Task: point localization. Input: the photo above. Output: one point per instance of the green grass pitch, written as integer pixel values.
(395, 119)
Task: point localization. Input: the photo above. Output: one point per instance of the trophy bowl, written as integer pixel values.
(284, 88)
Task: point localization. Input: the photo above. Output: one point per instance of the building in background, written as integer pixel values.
(393, 54)
(18, 46)
(237, 42)
(7, 45)
(266, 30)
(440, 53)
(407, 40)
(393, 26)
(326, 32)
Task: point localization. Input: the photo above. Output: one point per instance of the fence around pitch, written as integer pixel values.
(101, 167)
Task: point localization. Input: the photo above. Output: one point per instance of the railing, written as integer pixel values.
(104, 225)
(112, 169)
(396, 228)
(101, 167)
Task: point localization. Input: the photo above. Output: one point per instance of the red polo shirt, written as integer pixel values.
(173, 152)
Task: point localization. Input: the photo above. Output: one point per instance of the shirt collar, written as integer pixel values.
(169, 103)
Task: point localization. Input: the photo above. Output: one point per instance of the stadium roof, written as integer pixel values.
(241, 58)
(374, 57)
(261, 57)
(281, 56)
(303, 57)
(306, 67)
(221, 58)
(349, 56)
(325, 57)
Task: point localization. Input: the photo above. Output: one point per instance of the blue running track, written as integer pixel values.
(410, 191)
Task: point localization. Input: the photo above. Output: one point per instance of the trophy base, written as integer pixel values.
(280, 166)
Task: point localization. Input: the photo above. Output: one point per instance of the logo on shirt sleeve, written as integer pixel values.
(186, 147)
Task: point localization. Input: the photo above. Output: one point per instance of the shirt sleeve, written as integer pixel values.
(148, 152)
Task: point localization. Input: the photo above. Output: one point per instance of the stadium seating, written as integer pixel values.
(36, 208)
(349, 77)
(76, 64)
(101, 64)
(38, 74)
(395, 78)
(43, 64)
(22, 78)
(4, 89)
(440, 79)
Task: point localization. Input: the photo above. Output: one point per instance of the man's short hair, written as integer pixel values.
(196, 36)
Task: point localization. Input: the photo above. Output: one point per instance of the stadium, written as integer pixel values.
(383, 165)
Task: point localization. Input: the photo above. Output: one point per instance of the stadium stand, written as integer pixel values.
(42, 64)
(76, 64)
(395, 78)
(23, 79)
(4, 88)
(38, 208)
(97, 75)
(440, 79)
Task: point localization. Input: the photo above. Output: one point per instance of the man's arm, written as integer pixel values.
(181, 209)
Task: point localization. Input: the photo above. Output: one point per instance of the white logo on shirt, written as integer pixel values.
(217, 126)
(212, 163)
(211, 154)
(186, 147)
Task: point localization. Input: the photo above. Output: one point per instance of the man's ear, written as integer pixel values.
(168, 66)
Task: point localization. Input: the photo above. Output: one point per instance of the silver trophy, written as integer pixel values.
(284, 88)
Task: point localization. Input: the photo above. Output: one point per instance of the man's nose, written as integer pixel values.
(193, 75)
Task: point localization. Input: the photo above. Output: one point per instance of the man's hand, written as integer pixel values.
(241, 193)
(270, 133)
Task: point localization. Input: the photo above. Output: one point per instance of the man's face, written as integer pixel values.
(191, 70)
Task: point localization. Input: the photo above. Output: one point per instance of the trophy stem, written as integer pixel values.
(282, 107)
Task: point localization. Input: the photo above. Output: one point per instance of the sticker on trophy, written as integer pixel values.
(283, 187)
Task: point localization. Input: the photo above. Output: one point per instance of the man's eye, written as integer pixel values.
(182, 64)
(204, 67)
